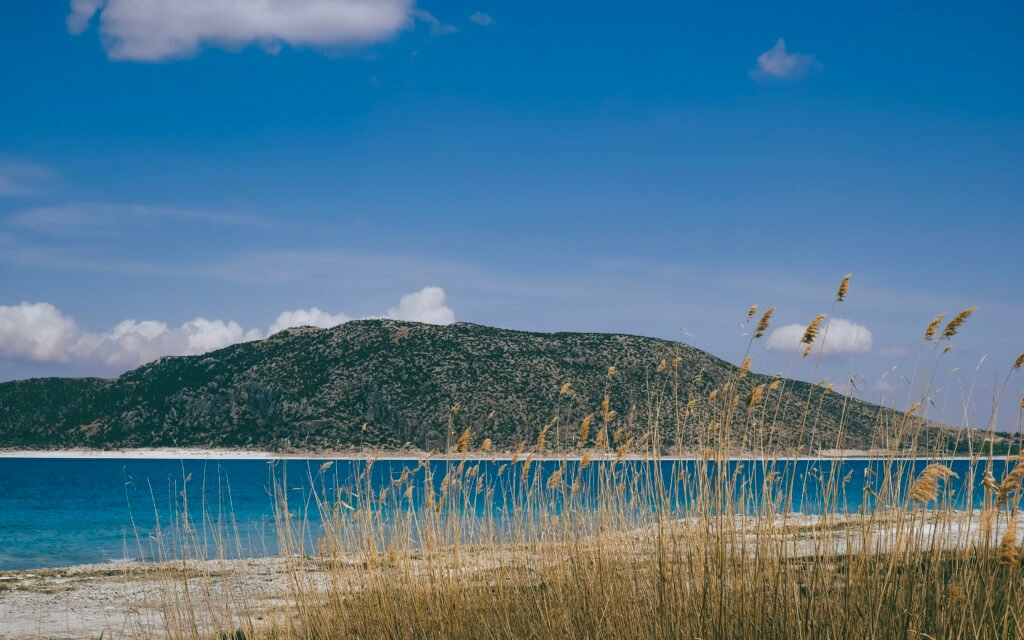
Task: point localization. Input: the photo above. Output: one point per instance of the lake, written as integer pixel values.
(59, 512)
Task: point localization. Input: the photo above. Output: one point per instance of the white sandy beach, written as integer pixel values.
(131, 600)
(158, 453)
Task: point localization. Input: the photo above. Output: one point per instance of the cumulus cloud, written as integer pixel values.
(426, 305)
(148, 31)
(482, 19)
(42, 333)
(307, 318)
(779, 64)
(36, 332)
(843, 336)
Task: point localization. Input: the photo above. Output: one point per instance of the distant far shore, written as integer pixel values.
(172, 453)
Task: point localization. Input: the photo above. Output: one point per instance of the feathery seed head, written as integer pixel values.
(585, 429)
(662, 365)
(463, 443)
(751, 311)
(526, 467)
(766, 320)
(844, 287)
(933, 326)
(485, 446)
(564, 391)
(953, 327)
(611, 371)
(811, 332)
(1007, 554)
(755, 397)
(1019, 362)
(926, 488)
(745, 367)
(1011, 484)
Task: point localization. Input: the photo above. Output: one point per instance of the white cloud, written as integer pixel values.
(21, 178)
(149, 31)
(482, 19)
(73, 219)
(36, 332)
(42, 333)
(426, 305)
(840, 336)
(306, 318)
(779, 64)
(437, 28)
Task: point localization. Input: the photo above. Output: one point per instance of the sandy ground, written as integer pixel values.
(135, 600)
(237, 454)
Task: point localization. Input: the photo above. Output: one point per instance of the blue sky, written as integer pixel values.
(550, 166)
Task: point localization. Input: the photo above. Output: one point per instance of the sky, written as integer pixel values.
(179, 176)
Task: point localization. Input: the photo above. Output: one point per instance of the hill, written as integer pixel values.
(387, 384)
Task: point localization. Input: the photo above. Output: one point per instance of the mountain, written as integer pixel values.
(387, 384)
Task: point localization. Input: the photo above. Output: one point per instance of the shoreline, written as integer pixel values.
(161, 453)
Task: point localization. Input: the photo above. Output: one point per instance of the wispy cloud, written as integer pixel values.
(19, 178)
(437, 28)
(779, 64)
(74, 218)
(146, 31)
(40, 332)
(482, 19)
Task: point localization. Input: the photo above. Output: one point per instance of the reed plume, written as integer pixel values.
(485, 446)
(844, 287)
(585, 429)
(751, 311)
(621, 452)
(462, 445)
(933, 326)
(1011, 484)
(926, 488)
(564, 391)
(953, 327)
(585, 460)
(1019, 362)
(811, 332)
(755, 397)
(1007, 554)
(766, 320)
(745, 367)
(556, 477)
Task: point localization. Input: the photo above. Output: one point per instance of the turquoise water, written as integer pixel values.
(59, 512)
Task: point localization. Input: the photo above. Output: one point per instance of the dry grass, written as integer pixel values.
(601, 546)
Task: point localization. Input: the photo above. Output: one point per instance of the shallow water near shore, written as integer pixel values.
(61, 512)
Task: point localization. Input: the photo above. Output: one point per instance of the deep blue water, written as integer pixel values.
(58, 512)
